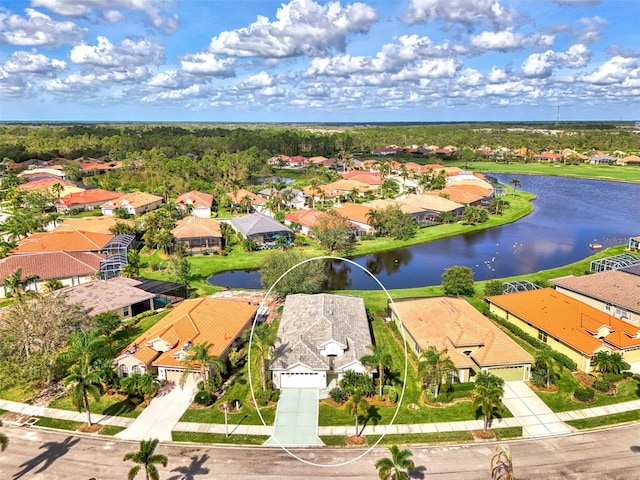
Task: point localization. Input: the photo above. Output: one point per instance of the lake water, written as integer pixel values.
(568, 215)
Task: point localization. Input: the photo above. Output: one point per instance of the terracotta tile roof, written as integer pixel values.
(611, 286)
(630, 159)
(432, 201)
(370, 178)
(59, 241)
(239, 195)
(478, 187)
(93, 164)
(101, 296)
(304, 217)
(195, 198)
(354, 212)
(345, 186)
(318, 159)
(458, 195)
(452, 323)
(405, 207)
(100, 224)
(213, 320)
(190, 227)
(572, 322)
(47, 183)
(134, 199)
(49, 265)
(86, 197)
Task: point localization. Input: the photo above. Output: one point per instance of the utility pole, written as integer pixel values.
(558, 116)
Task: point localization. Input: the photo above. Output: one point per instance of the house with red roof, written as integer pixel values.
(196, 203)
(548, 157)
(85, 200)
(62, 241)
(303, 220)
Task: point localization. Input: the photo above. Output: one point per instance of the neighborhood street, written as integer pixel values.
(44, 455)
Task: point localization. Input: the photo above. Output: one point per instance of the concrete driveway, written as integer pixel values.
(162, 414)
(296, 418)
(536, 418)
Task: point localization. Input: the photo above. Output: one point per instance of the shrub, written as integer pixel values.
(444, 397)
(601, 385)
(393, 395)
(275, 396)
(263, 396)
(203, 398)
(584, 394)
(462, 387)
(538, 378)
(338, 395)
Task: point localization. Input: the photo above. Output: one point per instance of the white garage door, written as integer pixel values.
(301, 380)
(174, 375)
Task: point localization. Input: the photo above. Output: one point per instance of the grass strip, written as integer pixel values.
(507, 432)
(436, 437)
(110, 430)
(604, 420)
(334, 440)
(57, 423)
(204, 437)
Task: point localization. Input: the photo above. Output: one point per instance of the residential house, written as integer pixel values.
(612, 291)
(634, 243)
(46, 184)
(370, 178)
(62, 241)
(293, 198)
(92, 166)
(199, 234)
(261, 229)
(433, 207)
(196, 203)
(135, 203)
(414, 211)
(569, 326)
(461, 194)
(70, 268)
(84, 200)
(113, 295)
(473, 342)
(357, 215)
(100, 224)
(247, 201)
(384, 151)
(304, 219)
(163, 348)
(629, 160)
(548, 157)
(602, 159)
(54, 171)
(320, 337)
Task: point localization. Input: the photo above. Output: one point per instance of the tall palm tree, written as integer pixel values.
(264, 338)
(199, 360)
(147, 458)
(434, 366)
(57, 189)
(356, 406)
(16, 285)
(515, 183)
(83, 381)
(379, 358)
(398, 467)
(4, 440)
(314, 183)
(84, 347)
(487, 395)
(545, 360)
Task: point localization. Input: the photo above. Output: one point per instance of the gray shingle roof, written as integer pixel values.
(256, 224)
(310, 321)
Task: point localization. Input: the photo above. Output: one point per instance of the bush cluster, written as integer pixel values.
(338, 395)
(601, 385)
(204, 398)
(263, 397)
(584, 394)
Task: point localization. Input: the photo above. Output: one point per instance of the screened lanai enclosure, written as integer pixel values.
(615, 262)
(519, 286)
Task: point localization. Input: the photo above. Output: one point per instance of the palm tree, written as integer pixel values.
(57, 189)
(545, 360)
(199, 360)
(264, 338)
(4, 440)
(356, 405)
(487, 395)
(398, 467)
(515, 183)
(314, 183)
(16, 286)
(502, 464)
(83, 381)
(147, 458)
(606, 362)
(380, 359)
(84, 347)
(435, 365)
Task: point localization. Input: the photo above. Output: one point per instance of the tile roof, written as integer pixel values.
(101, 296)
(310, 321)
(355, 212)
(459, 194)
(454, 324)
(239, 195)
(47, 183)
(611, 286)
(433, 202)
(59, 241)
(133, 199)
(49, 265)
(93, 164)
(570, 321)
(86, 197)
(304, 217)
(256, 223)
(100, 224)
(214, 320)
(190, 227)
(405, 207)
(370, 178)
(195, 198)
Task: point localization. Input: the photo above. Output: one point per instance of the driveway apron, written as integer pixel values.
(296, 418)
(536, 418)
(160, 416)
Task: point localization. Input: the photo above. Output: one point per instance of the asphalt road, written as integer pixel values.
(37, 454)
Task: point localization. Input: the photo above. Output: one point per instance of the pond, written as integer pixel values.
(266, 180)
(569, 215)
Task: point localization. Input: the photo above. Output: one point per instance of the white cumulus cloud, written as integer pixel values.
(508, 40)
(466, 12)
(208, 64)
(33, 63)
(129, 52)
(616, 70)
(37, 30)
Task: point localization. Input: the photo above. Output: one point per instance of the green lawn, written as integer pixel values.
(436, 437)
(122, 338)
(110, 430)
(18, 393)
(108, 405)
(604, 420)
(57, 423)
(203, 437)
(561, 401)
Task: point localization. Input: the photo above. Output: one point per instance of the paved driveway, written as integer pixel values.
(536, 418)
(162, 414)
(296, 418)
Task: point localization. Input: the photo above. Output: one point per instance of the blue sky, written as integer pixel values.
(317, 61)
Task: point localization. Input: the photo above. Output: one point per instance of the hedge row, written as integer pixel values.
(534, 342)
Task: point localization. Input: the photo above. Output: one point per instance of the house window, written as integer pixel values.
(124, 371)
(125, 311)
(542, 336)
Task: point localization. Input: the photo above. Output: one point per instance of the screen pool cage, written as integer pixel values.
(519, 286)
(614, 263)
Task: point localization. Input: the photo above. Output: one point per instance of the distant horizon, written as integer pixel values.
(319, 61)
